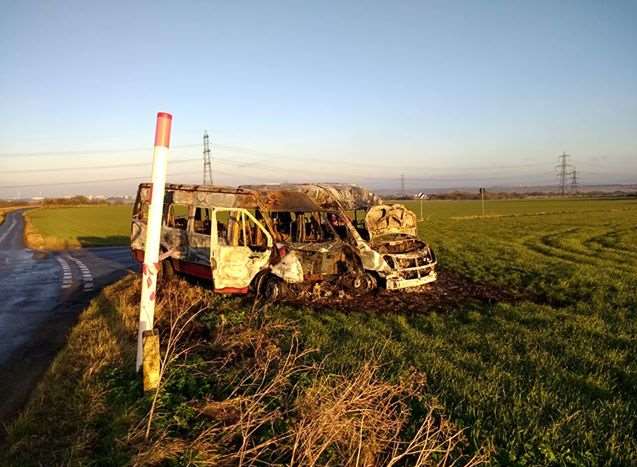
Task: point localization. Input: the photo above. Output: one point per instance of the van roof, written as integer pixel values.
(229, 197)
(287, 200)
(201, 188)
(328, 195)
(203, 195)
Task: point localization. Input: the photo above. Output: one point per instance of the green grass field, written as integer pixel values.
(552, 379)
(547, 379)
(62, 227)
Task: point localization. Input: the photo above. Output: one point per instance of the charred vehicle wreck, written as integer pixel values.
(285, 238)
(384, 236)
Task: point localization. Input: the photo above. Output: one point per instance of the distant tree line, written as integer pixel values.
(10, 204)
(465, 195)
(72, 201)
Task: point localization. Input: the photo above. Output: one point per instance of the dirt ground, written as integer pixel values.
(448, 291)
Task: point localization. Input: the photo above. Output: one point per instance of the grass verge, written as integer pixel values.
(236, 390)
(547, 380)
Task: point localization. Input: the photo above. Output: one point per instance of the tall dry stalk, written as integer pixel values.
(358, 421)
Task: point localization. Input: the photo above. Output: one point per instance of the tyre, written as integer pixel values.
(275, 289)
(353, 282)
(370, 282)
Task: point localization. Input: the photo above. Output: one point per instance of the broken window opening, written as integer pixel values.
(357, 219)
(302, 227)
(202, 223)
(142, 211)
(236, 228)
(359, 223)
(177, 216)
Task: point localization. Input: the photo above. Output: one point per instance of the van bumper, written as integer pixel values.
(396, 281)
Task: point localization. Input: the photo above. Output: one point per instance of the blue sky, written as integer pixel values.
(448, 93)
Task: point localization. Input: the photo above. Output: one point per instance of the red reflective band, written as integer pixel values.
(162, 130)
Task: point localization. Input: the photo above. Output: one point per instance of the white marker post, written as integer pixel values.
(153, 231)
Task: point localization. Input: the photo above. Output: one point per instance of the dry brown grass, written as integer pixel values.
(357, 420)
(281, 409)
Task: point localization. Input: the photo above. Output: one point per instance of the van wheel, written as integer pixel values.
(275, 289)
(370, 281)
(353, 282)
(358, 283)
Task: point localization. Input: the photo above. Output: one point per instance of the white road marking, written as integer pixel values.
(67, 277)
(11, 226)
(87, 277)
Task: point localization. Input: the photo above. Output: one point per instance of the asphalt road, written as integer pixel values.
(40, 297)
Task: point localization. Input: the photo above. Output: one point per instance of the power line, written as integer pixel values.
(240, 149)
(104, 180)
(281, 171)
(278, 170)
(366, 164)
(99, 167)
(84, 182)
(85, 152)
(122, 179)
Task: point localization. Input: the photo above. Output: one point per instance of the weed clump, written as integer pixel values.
(236, 391)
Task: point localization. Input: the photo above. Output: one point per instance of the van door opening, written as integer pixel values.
(240, 249)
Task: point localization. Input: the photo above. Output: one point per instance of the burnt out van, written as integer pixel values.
(207, 232)
(235, 237)
(284, 237)
(384, 235)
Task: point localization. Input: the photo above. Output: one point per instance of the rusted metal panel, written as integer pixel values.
(282, 200)
(327, 195)
(204, 196)
(384, 220)
(237, 266)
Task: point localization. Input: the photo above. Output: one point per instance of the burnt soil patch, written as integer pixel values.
(448, 292)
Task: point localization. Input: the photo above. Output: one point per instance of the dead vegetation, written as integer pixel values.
(274, 405)
(234, 391)
(359, 419)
